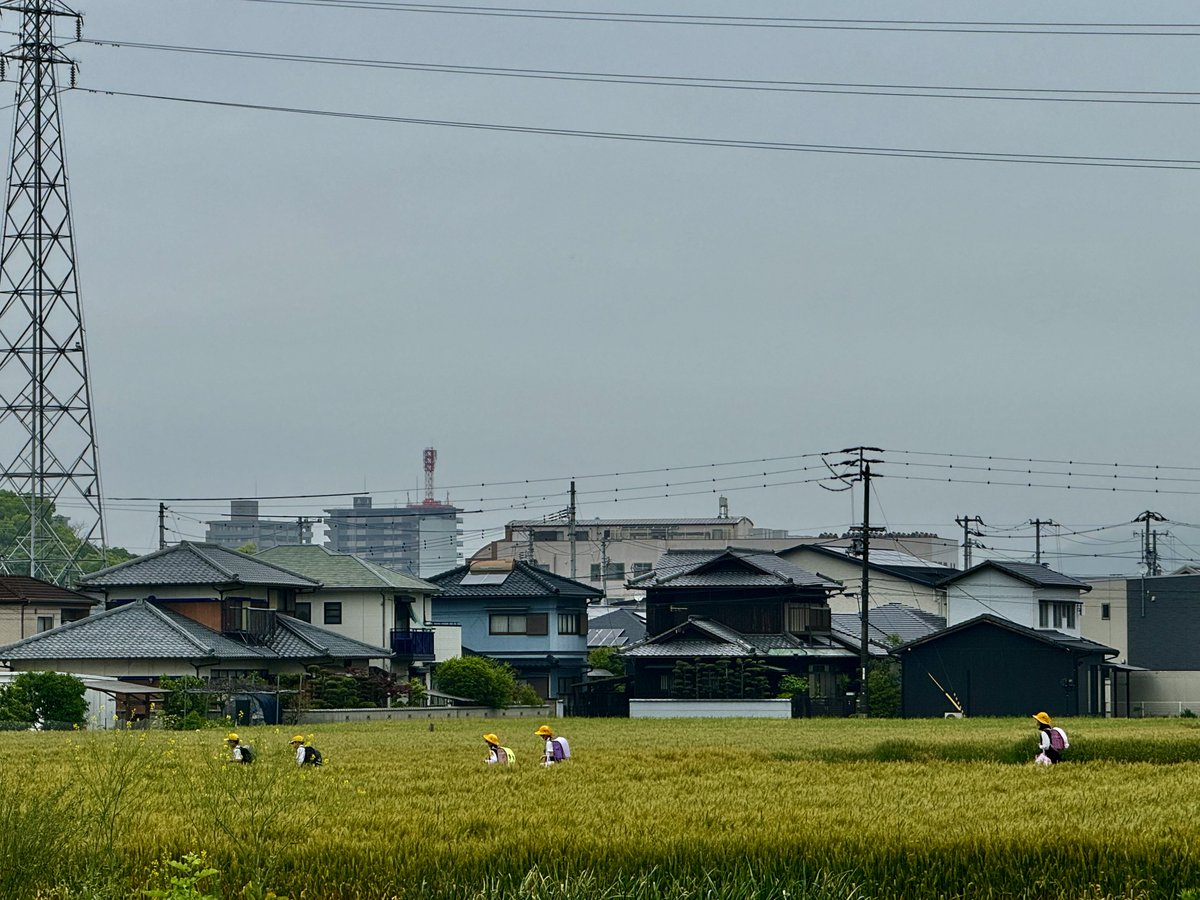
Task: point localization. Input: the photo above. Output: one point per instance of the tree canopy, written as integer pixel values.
(67, 553)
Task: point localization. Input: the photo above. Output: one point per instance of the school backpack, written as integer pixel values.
(562, 750)
(510, 757)
(1057, 740)
(247, 753)
(312, 757)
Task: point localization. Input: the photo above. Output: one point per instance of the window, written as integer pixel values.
(569, 623)
(333, 613)
(547, 536)
(641, 568)
(1064, 614)
(304, 612)
(1106, 610)
(803, 618)
(44, 623)
(1043, 614)
(504, 623)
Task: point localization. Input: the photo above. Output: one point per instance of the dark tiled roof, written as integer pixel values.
(1030, 573)
(15, 588)
(189, 562)
(523, 581)
(533, 523)
(704, 637)
(893, 562)
(905, 622)
(142, 630)
(618, 628)
(341, 571)
(732, 567)
(1065, 641)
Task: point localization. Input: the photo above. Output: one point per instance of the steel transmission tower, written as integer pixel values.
(47, 439)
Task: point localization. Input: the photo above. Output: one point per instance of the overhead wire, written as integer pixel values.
(1084, 160)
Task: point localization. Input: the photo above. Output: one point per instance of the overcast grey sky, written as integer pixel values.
(292, 304)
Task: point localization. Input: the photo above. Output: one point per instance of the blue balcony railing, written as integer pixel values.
(412, 643)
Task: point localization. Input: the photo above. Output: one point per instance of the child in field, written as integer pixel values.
(498, 754)
(240, 752)
(306, 754)
(557, 749)
(1052, 740)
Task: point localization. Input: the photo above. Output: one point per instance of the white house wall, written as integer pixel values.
(883, 588)
(1111, 632)
(991, 592)
(13, 629)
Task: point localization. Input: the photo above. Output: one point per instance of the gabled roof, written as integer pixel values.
(1030, 573)
(699, 636)
(892, 562)
(190, 562)
(1056, 638)
(342, 571)
(18, 588)
(883, 622)
(732, 567)
(143, 630)
(617, 628)
(524, 580)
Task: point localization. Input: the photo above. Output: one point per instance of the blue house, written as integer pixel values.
(516, 613)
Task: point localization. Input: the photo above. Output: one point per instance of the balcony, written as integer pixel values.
(251, 624)
(412, 643)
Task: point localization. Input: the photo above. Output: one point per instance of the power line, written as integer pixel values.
(1125, 29)
(1122, 162)
(951, 92)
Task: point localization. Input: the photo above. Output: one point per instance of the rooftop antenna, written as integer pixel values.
(430, 465)
(47, 436)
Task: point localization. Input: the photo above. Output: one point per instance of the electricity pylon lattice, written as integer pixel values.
(47, 438)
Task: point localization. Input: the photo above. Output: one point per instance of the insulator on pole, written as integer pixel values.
(74, 73)
(3, 67)
(79, 28)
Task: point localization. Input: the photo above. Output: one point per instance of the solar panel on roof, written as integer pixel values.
(484, 578)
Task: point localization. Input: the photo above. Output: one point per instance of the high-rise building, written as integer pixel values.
(422, 539)
(245, 527)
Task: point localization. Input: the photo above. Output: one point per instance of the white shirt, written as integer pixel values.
(300, 755)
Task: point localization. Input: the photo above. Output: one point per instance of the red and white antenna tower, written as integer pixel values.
(430, 464)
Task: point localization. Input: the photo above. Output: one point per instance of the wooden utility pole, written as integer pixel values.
(162, 526)
(571, 526)
(966, 522)
(1037, 524)
(863, 474)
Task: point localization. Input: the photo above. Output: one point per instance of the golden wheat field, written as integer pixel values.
(645, 809)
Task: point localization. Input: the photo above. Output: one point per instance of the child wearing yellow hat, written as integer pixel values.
(557, 749)
(496, 753)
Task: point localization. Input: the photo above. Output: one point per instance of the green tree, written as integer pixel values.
(249, 548)
(606, 658)
(66, 550)
(476, 678)
(883, 688)
(45, 697)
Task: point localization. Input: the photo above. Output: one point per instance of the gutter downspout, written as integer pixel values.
(24, 606)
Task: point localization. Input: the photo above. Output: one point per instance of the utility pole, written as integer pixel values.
(604, 566)
(162, 526)
(862, 467)
(1037, 525)
(49, 458)
(571, 525)
(966, 522)
(1150, 542)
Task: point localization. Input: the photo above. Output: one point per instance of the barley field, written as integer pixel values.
(722, 809)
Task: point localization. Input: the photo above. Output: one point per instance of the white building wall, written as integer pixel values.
(18, 621)
(883, 588)
(991, 592)
(1113, 631)
(447, 642)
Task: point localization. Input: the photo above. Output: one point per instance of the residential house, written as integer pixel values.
(738, 610)
(1012, 642)
(520, 614)
(1152, 621)
(895, 576)
(29, 606)
(612, 553)
(888, 626)
(992, 666)
(368, 602)
(146, 639)
(614, 626)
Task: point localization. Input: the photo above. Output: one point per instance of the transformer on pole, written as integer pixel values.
(47, 438)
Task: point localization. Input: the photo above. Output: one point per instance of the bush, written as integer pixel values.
(525, 695)
(44, 697)
(791, 685)
(606, 658)
(481, 680)
(183, 710)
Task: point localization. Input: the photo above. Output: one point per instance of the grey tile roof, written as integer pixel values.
(893, 562)
(584, 523)
(732, 567)
(617, 628)
(705, 637)
(190, 562)
(142, 630)
(137, 630)
(906, 622)
(523, 581)
(1030, 573)
(342, 571)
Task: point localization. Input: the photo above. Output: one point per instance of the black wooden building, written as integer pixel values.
(994, 667)
(717, 620)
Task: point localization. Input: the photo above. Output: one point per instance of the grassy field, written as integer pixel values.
(726, 809)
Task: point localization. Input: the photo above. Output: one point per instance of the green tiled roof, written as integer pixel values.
(342, 570)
